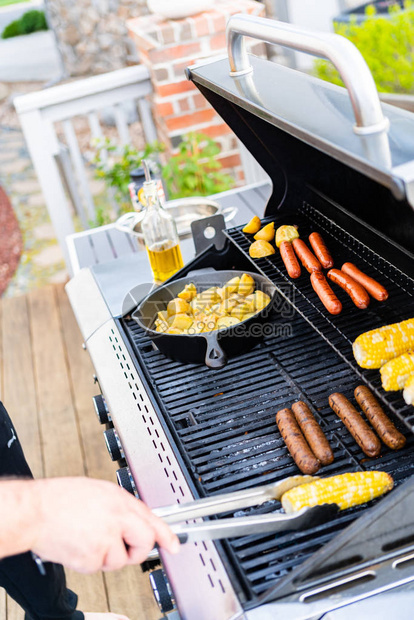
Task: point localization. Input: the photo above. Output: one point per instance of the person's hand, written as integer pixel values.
(85, 524)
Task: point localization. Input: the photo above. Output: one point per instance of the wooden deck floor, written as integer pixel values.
(46, 385)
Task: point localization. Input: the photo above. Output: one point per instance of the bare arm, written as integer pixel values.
(79, 522)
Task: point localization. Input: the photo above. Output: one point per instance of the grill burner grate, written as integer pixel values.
(224, 421)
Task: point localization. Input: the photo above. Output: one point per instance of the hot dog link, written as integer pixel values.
(314, 435)
(379, 420)
(374, 288)
(321, 251)
(295, 442)
(325, 293)
(356, 292)
(359, 429)
(289, 259)
(308, 260)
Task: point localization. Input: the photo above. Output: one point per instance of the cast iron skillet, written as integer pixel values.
(214, 347)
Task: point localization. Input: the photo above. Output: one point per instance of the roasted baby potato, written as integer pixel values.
(246, 285)
(286, 233)
(240, 311)
(267, 233)
(188, 293)
(253, 226)
(261, 248)
(177, 306)
(182, 321)
(262, 300)
(231, 287)
(227, 321)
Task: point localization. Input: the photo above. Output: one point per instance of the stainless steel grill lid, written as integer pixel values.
(303, 131)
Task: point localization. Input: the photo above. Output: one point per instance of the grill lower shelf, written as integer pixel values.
(223, 421)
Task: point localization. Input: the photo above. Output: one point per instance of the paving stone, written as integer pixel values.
(15, 167)
(25, 187)
(44, 231)
(48, 256)
(7, 155)
(36, 200)
(12, 140)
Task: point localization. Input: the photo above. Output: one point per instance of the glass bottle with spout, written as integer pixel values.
(160, 233)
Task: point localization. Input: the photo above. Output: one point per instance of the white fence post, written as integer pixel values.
(36, 135)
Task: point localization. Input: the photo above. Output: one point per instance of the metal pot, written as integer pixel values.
(214, 347)
(183, 210)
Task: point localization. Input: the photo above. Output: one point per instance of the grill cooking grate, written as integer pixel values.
(224, 420)
(341, 330)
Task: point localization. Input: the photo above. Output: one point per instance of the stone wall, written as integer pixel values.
(92, 34)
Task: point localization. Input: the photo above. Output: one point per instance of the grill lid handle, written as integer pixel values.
(337, 49)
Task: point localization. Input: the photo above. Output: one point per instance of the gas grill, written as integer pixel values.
(183, 431)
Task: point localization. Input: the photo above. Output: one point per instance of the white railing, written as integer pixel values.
(61, 170)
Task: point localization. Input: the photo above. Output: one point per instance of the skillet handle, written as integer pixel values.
(215, 356)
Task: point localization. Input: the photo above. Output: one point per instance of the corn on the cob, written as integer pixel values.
(346, 490)
(409, 390)
(376, 347)
(395, 373)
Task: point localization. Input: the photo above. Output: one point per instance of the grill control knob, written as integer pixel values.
(101, 409)
(113, 444)
(162, 590)
(126, 481)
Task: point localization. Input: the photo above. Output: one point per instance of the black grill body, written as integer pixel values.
(223, 421)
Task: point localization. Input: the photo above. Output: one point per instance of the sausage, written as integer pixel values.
(325, 293)
(359, 429)
(378, 418)
(313, 433)
(356, 292)
(374, 288)
(289, 259)
(321, 251)
(308, 260)
(296, 443)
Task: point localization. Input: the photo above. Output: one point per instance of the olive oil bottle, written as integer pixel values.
(160, 234)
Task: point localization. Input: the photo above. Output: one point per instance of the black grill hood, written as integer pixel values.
(301, 131)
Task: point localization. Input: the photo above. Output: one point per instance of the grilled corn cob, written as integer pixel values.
(409, 390)
(346, 490)
(395, 373)
(376, 347)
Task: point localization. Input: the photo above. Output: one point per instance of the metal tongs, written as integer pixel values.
(242, 526)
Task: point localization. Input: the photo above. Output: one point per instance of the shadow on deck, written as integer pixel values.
(46, 384)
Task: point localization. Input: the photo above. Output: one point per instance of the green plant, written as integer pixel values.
(193, 171)
(116, 168)
(12, 30)
(387, 45)
(31, 21)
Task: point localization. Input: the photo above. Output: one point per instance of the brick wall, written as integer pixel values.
(167, 47)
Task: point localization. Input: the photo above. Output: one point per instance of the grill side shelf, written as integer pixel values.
(340, 331)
